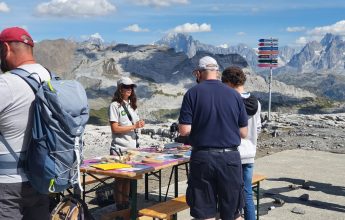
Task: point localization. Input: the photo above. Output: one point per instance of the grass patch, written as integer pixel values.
(317, 106)
(162, 115)
(99, 117)
(160, 92)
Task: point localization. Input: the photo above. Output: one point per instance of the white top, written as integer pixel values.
(118, 114)
(247, 148)
(16, 113)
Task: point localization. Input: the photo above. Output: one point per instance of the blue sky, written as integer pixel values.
(217, 22)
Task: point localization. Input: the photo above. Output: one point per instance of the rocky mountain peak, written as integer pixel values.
(180, 42)
(329, 38)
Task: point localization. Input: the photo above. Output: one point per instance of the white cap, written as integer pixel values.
(125, 81)
(208, 63)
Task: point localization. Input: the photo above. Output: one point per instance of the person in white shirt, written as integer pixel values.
(236, 78)
(19, 200)
(124, 122)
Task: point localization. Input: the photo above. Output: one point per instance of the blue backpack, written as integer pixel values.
(54, 154)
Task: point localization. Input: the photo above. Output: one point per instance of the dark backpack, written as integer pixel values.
(54, 154)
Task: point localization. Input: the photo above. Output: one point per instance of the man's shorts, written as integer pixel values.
(21, 201)
(215, 178)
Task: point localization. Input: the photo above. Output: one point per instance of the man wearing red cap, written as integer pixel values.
(18, 199)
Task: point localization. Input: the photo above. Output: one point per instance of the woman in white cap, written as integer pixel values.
(124, 122)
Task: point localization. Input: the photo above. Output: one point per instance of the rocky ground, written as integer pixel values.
(284, 131)
(309, 132)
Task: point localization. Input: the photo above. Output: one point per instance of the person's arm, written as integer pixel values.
(186, 115)
(118, 129)
(243, 119)
(243, 132)
(258, 122)
(184, 130)
(114, 119)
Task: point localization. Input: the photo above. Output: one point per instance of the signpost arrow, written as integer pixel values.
(269, 40)
(270, 65)
(268, 48)
(268, 56)
(267, 61)
(268, 52)
(265, 44)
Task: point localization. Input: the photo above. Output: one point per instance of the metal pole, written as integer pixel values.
(270, 94)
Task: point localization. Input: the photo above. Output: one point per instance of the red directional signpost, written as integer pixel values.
(268, 58)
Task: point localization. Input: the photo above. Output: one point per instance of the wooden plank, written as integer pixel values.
(126, 175)
(258, 178)
(166, 209)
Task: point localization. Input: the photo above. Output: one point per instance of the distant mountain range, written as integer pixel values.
(162, 74)
(185, 43)
(328, 55)
(318, 66)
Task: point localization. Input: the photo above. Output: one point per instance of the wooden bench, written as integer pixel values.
(166, 210)
(257, 178)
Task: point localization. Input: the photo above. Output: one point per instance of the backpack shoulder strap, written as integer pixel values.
(28, 78)
(127, 112)
(131, 119)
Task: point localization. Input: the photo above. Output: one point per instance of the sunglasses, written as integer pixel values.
(127, 86)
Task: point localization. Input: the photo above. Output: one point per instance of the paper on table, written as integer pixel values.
(111, 166)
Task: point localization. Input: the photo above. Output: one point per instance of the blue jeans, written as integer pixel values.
(249, 208)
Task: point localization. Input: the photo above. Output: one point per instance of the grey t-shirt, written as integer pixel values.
(118, 114)
(16, 98)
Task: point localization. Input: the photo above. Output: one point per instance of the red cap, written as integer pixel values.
(16, 34)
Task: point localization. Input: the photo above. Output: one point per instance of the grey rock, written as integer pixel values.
(306, 185)
(271, 207)
(293, 187)
(278, 201)
(297, 210)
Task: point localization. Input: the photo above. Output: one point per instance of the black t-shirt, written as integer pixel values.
(216, 112)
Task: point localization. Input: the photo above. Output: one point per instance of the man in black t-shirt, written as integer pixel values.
(214, 117)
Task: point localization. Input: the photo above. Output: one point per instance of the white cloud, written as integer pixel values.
(4, 7)
(135, 28)
(190, 28)
(224, 46)
(161, 3)
(241, 33)
(318, 33)
(97, 36)
(75, 8)
(295, 29)
(337, 28)
(301, 41)
(92, 36)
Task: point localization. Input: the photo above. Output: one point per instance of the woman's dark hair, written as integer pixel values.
(234, 75)
(117, 97)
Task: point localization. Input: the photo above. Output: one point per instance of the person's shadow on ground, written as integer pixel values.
(313, 186)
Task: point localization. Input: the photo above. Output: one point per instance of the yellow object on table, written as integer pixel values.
(111, 166)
